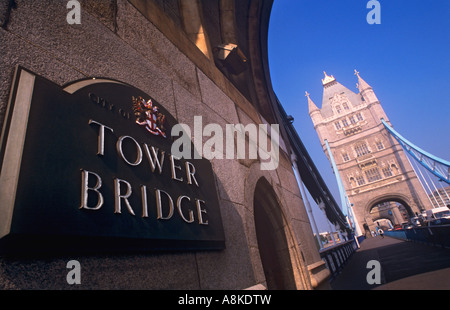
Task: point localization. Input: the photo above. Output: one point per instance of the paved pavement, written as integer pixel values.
(404, 266)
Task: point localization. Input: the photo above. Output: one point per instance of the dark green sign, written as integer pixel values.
(89, 167)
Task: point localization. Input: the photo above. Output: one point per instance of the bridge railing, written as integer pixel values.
(432, 235)
(335, 257)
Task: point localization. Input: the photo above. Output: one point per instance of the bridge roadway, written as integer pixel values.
(405, 265)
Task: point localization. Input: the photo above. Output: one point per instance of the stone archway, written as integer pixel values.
(271, 238)
(393, 207)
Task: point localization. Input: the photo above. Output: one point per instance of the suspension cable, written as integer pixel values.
(420, 181)
(437, 166)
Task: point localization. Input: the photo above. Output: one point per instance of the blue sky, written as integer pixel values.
(406, 59)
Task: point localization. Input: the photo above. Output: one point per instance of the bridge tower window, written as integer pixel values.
(387, 172)
(360, 180)
(373, 174)
(337, 125)
(361, 149)
(345, 157)
(380, 145)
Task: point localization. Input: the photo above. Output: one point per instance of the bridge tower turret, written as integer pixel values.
(372, 165)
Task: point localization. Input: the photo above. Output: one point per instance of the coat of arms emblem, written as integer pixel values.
(148, 115)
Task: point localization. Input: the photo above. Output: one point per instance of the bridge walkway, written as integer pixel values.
(405, 265)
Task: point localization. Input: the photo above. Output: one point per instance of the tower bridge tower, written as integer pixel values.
(372, 165)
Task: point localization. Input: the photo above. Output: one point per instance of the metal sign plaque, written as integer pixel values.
(89, 167)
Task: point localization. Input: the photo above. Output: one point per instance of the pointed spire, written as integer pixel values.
(328, 79)
(312, 106)
(362, 85)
